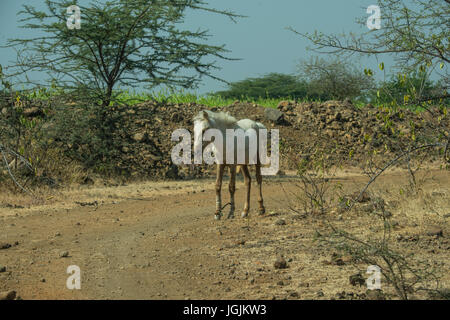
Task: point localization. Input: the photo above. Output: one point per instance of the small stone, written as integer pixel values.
(357, 279)
(280, 263)
(280, 222)
(64, 254)
(8, 295)
(435, 232)
(283, 104)
(4, 245)
(140, 137)
(375, 295)
(2, 269)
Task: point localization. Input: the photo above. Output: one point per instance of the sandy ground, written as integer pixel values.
(160, 241)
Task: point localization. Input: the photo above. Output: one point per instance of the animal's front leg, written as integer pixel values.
(232, 188)
(248, 182)
(262, 210)
(220, 169)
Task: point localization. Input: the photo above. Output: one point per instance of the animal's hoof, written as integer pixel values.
(244, 214)
(262, 211)
(217, 216)
(230, 216)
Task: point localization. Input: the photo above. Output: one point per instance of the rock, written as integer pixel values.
(64, 254)
(2, 269)
(280, 222)
(338, 262)
(273, 115)
(140, 137)
(435, 231)
(4, 245)
(280, 263)
(357, 279)
(171, 172)
(8, 295)
(376, 294)
(283, 104)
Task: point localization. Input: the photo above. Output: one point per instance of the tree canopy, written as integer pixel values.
(334, 79)
(126, 42)
(272, 85)
(415, 32)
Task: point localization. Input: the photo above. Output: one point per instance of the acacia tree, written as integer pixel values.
(272, 85)
(126, 42)
(415, 32)
(333, 78)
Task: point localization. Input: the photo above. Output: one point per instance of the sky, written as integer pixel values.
(260, 40)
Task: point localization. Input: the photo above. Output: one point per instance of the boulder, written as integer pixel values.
(273, 115)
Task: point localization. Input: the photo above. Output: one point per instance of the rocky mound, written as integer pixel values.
(344, 133)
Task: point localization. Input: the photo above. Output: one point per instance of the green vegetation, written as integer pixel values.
(122, 42)
(270, 86)
(334, 79)
(129, 97)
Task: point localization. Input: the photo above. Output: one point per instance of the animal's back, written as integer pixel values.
(250, 124)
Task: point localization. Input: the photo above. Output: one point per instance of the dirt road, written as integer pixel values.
(160, 241)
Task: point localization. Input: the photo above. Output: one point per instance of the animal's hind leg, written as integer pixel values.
(232, 188)
(220, 169)
(248, 182)
(262, 210)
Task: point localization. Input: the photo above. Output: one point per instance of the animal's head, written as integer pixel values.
(202, 122)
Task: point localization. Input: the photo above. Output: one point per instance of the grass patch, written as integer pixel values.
(131, 97)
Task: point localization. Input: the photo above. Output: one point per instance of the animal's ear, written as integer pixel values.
(205, 115)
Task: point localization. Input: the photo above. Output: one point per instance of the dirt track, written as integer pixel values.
(160, 241)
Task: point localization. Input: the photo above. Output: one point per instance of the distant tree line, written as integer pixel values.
(319, 79)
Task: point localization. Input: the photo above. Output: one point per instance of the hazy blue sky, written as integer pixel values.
(261, 40)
